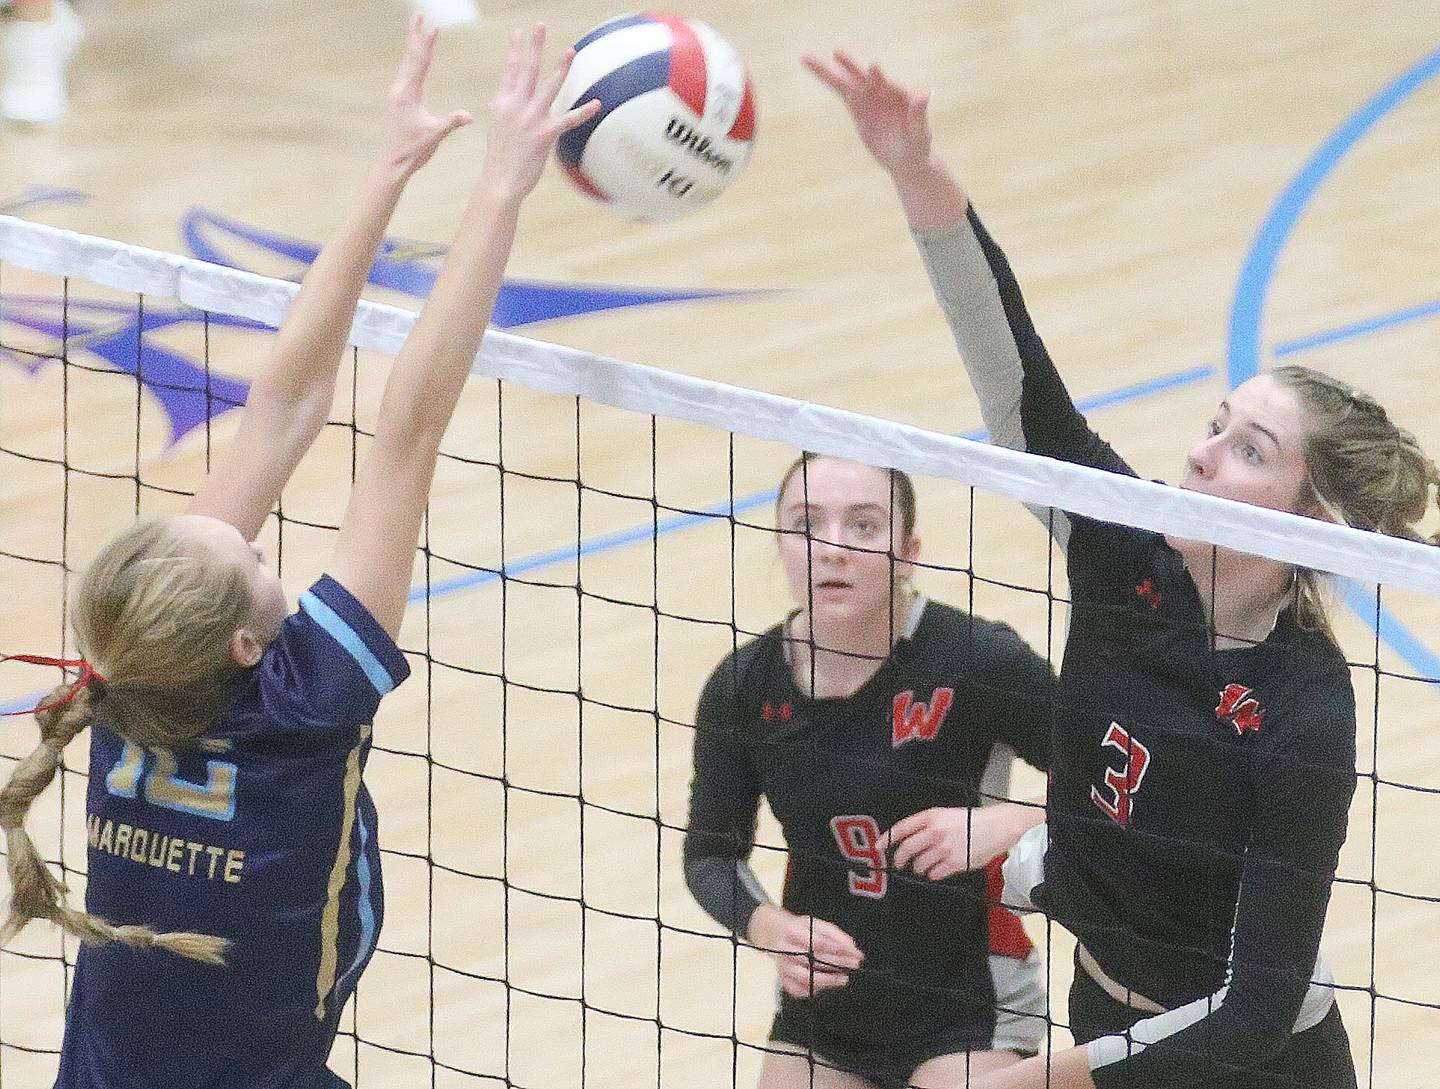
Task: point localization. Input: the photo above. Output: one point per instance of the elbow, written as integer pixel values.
(1257, 1049)
(693, 872)
(1258, 1039)
(309, 414)
(695, 856)
(406, 444)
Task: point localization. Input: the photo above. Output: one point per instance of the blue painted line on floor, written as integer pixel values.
(1258, 271)
(1357, 329)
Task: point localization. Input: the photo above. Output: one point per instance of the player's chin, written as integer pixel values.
(849, 602)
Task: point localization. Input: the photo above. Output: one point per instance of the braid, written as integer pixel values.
(1365, 471)
(1432, 480)
(36, 893)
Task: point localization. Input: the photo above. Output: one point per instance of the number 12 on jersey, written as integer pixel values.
(857, 837)
(214, 799)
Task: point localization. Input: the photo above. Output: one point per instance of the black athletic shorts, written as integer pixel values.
(890, 1067)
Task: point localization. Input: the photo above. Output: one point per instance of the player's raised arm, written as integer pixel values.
(290, 400)
(375, 550)
(1023, 400)
(893, 122)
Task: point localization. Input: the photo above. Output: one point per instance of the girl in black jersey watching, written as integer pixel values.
(872, 719)
(1205, 728)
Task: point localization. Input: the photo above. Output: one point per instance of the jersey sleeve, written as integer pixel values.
(1303, 787)
(724, 804)
(331, 663)
(1023, 401)
(1022, 686)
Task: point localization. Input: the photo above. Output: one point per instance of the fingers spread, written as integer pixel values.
(848, 66)
(556, 78)
(510, 76)
(825, 73)
(578, 116)
(531, 74)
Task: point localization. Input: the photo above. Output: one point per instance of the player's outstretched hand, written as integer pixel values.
(412, 132)
(812, 955)
(941, 842)
(522, 128)
(893, 121)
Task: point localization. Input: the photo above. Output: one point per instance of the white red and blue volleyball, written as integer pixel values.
(676, 120)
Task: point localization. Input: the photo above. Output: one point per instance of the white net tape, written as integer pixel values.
(554, 369)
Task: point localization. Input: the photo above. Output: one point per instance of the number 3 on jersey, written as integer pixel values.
(1124, 782)
(215, 798)
(857, 837)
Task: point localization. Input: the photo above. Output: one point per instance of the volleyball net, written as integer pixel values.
(600, 535)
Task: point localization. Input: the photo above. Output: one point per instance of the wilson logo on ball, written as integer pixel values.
(676, 120)
(698, 146)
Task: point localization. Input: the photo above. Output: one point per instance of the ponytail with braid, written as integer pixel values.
(1365, 470)
(36, 893)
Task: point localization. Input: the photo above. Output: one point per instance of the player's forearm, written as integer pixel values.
(1019, 818)
(312, 339)
(728, 890)
(437, 359)
(931, 196)
(432, 368)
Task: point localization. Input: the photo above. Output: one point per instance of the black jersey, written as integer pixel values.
(838, 773)
(1199, 797)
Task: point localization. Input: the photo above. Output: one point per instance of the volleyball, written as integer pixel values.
(676, 120)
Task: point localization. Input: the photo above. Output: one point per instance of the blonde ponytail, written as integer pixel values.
(1364, 471)
(36, 893)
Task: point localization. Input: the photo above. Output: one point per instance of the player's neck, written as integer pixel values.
(1242, 595)
(836, 660)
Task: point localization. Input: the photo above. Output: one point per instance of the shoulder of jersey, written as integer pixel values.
(1312, 657)
(742, 659)
(946, 628)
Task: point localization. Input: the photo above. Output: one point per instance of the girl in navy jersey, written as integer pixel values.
(872, 718)
(1205, 728)
(234, 891)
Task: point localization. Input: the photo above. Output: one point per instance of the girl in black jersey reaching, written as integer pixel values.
(1205, 725)
(872, 719)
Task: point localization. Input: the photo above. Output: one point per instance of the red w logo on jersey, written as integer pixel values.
(1243, 712)
(911, 721)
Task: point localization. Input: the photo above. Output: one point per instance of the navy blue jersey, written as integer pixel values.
(263, 834)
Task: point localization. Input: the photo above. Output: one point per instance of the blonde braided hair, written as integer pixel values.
(36, 893)
(1364, 471)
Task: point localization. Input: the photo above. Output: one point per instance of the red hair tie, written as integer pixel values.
(87, 674)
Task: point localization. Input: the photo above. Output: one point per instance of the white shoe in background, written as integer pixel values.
(446, 13)
(36, 56)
